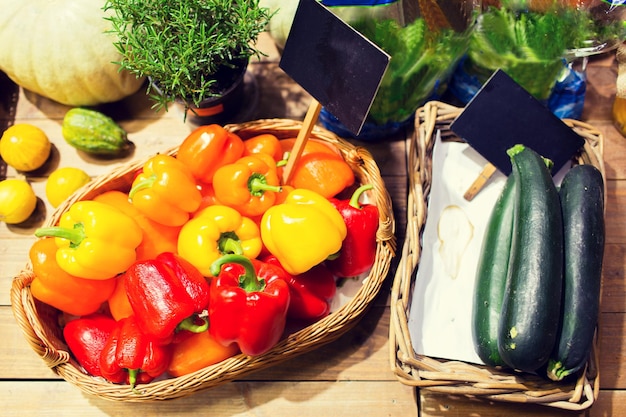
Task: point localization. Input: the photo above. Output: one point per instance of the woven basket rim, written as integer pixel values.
(457, 377)
(41, 338)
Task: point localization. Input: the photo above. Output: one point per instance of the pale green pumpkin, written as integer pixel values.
(60, 50)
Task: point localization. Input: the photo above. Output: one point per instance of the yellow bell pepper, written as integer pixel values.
(54, 286)
(303, 231)
(217, 230)
(94, 240)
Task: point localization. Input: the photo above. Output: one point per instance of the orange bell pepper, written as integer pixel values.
(207, 148)
(55, 287)
(248, 185)
(264, 143)
(282, 196)
(321, 168)
(119, 306)
(325, 173)
(165, 191)
(198, 351)
(157, 237)
(208, 197)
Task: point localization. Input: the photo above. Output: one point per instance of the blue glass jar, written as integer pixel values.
(424, 48)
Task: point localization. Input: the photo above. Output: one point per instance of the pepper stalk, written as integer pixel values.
(249, 281)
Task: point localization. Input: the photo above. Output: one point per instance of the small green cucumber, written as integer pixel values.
(491, 274)
(95, 133)
(582, 204)
(532, 298)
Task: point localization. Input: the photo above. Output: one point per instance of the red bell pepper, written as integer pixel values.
(194, 282)
(167, 294)
(86, 337)
(249, 302)
(311, 292)
(358, 250)
(132, 357)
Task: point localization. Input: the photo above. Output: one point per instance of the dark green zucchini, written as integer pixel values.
(491, 274)
(532, 297)
(582, 203)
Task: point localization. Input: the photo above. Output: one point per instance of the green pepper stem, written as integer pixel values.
(140, 185)
(249, 281)
(229, 243)
(334, 256)
(190, 325)
(132, 377)
(283, 161)
(75, 235)
(356, 196)
(257, 185)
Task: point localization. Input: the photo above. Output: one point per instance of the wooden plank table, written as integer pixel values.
(349, 377)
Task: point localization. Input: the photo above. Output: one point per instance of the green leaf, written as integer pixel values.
(419, 60)
(181, 44)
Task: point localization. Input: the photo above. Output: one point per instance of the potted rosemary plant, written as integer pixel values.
(194, 52)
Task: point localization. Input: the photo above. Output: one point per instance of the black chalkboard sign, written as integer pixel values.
(334, 63)
(503, 114)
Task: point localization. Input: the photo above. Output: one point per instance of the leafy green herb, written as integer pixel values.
(420, 60)
(531, 46)
(182, 44)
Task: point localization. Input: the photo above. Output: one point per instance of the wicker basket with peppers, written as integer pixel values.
(186, 265)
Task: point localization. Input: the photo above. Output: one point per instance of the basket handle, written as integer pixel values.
(25, 312)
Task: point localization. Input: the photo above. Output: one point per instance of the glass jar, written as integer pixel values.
(425, 46)
(540, 43)
(619, 104)
(605, 23)
(619, 114)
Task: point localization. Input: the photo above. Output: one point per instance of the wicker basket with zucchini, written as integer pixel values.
(541, 347)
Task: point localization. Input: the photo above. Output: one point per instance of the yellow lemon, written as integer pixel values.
(63, 182)
(25, 147)
(17, 201)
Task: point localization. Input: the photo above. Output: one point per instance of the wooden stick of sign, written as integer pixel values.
(503, 114)
(316, 28)
(303, 136)
(480, 182)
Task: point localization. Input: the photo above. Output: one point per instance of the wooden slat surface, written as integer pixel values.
(349, 377)
(238, 399)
